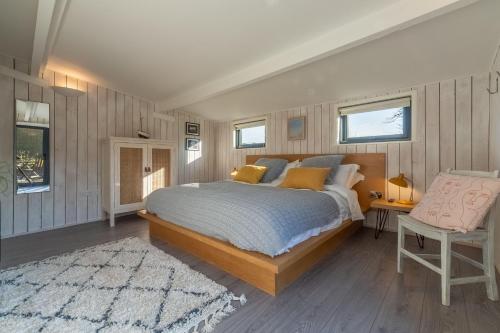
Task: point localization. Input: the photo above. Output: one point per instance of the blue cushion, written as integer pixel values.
(275, 167)
(326, 161)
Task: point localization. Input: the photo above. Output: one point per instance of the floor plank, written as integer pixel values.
(356, 289)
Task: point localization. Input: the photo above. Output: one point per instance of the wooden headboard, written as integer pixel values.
(371, 165)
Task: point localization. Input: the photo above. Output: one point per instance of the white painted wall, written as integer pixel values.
(78, 124)
(452, 128)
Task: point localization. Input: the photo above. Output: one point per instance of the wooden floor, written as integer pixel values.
(356, 289)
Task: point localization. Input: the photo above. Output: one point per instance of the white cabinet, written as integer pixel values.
(132, 169)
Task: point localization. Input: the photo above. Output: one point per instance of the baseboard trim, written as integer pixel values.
(98, 219)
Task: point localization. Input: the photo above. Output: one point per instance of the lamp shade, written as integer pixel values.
(399, 180)
(68, 92)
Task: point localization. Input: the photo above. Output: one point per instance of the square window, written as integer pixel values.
(250, 135)
(383, 121)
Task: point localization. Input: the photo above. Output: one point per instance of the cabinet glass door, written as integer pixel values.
(160, 168)
(131, 175)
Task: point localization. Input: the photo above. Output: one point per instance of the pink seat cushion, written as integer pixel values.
(457, 202)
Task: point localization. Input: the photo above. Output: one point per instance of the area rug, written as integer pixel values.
(123, 286)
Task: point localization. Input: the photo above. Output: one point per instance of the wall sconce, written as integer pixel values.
(68, 92)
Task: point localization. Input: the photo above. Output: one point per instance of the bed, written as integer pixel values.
(276, 261)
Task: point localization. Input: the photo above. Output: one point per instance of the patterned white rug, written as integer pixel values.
(123, 286)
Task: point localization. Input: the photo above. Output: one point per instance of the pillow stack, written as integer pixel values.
(313, 173)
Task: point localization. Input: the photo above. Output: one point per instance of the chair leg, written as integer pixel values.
(489, 270)
(401, 245)
(445, 269)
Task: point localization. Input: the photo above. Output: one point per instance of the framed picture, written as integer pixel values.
(297, 128)
(192, 129)
(192, 144)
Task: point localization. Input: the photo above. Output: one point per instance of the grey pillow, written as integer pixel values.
(275, 167)
(326, 161)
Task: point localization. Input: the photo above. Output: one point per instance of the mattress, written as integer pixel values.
(265, 219)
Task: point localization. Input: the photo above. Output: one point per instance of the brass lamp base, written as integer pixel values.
(405, 202)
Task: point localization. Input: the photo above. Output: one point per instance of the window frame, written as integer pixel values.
(45, 152)
(409, 121)
(237, 134)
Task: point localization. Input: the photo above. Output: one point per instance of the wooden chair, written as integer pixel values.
(446, 237)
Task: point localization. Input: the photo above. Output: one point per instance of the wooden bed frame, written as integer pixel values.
(273, 274)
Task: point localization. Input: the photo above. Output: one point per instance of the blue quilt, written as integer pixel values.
(256, 218)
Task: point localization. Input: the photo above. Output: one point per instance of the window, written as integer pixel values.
(388, 120)
(32, 144)
(250, 134)
(31, 149)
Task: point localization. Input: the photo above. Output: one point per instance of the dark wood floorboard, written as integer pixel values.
(356, 289)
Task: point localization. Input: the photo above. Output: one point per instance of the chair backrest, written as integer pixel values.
(483, 174)
(489, 220)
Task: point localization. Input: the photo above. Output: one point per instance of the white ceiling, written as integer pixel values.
(158, 48)
(254, 56)
(459, 43)
(17, 26)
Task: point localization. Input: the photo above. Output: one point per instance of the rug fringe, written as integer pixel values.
(212, 319)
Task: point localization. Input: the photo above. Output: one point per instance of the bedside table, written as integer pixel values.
(383, 208)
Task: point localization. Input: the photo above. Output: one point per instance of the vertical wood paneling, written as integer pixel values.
(406, 167)
(393, 166)
(120, 114)
(111, 112)
(151, 120)
(480, 122)
(418, 147)
(317, 128)
(92, 147)
(71, 154)
(60, 155)
(136, 116)
(129, 116)
(48, 197)
(446, 122)
(21, 90)
(7, 151)
(102, 128)
(82, 159)
(35, 199)
(325, 128)
(437, 144)
(78, 127)
(432, 133)
(310, 128)
(464, 123)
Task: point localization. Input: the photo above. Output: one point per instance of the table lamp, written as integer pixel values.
(402, 181)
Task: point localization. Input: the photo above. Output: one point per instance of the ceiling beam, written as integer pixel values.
(48, 21)
(401, 15)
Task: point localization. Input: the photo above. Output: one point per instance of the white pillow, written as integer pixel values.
(356, 179)
(345, 175)
(279, 180)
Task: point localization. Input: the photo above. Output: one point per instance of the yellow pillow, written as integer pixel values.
(250, 174)
(306, 178)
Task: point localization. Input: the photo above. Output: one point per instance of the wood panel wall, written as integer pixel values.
(495, 146)
(78, 124)
(452, 132)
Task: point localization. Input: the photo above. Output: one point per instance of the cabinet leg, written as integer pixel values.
(111, 219)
